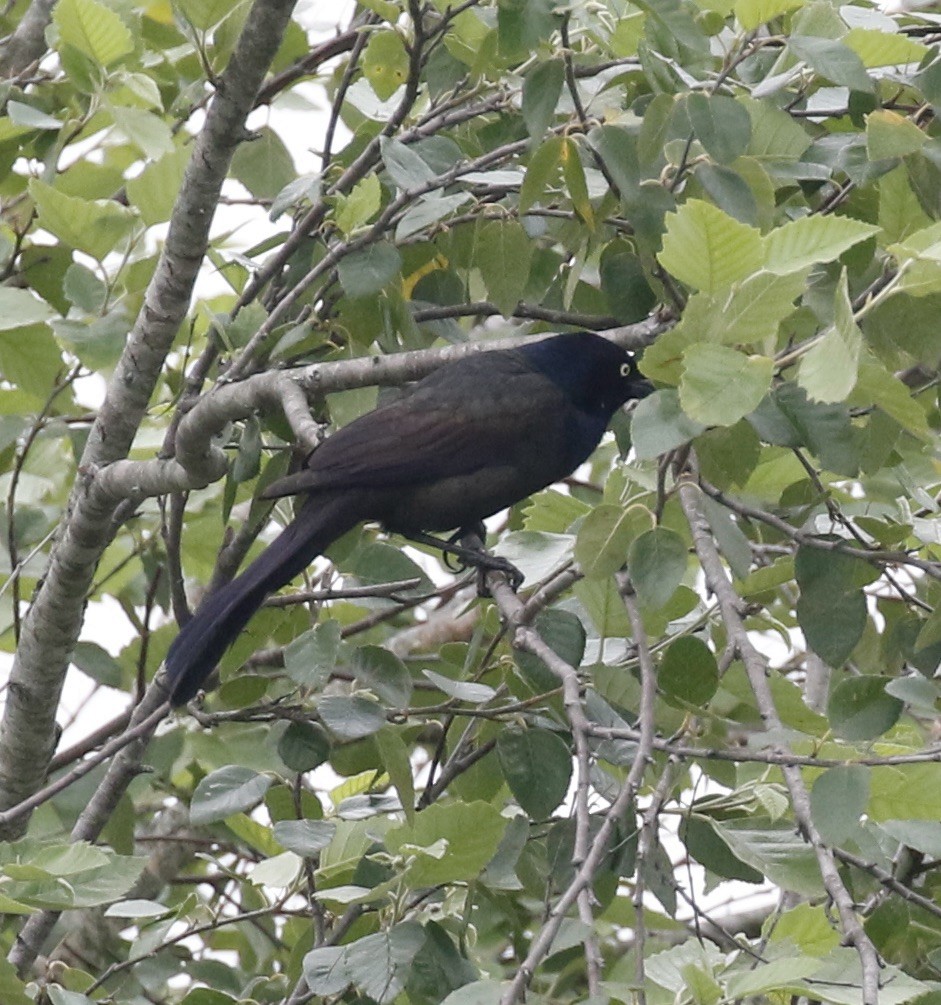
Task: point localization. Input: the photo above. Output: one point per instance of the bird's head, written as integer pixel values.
(599, 375)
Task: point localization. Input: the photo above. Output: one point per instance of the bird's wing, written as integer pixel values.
(401, 445)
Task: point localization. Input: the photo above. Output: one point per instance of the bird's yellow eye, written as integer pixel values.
(627, 369)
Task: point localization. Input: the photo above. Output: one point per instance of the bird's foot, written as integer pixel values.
(473, 558)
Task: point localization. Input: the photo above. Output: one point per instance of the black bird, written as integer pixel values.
(468, 440)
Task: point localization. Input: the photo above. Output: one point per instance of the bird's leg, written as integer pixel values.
(471, 557)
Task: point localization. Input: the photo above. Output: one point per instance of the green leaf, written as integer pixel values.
(876, 47)
(385, 63)
(503, 255)
(657, 562)
(617, 148)
(721, 124)
(812, 239)
(728, 455)
(746, 314)
(394, 755)
(659, 424)
(624, 283)
(147, 131)
(889, 134)
(19, 308)
(574, 174)
(861, 709)
(364, 273)
(877, 386)
(708, 249)
(787, 418)
(688, 671)
(205, 14)
(84, 289)
(537, 765)
(837, 802)
(542, 169)
(833, 629)
(827, 371)
(752, 13)
(542, 87)
(776, 850)
(605, 535)
(384, 674)
(304, 746)
(93, 29)
(92, 226)
(30, 358)
(264, 165)
(232, 789)
(470, 831)
(405, 165)
(312, 657)
(476, 694)
(304, 837)
(350, 718)
(923, 835)
(360, 205)
(833, 61)
(720, 386)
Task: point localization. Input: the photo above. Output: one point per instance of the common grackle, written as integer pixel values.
(468, 440)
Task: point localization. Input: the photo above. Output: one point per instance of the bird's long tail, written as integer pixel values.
(194, 653)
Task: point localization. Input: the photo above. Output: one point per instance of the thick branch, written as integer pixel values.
(51, 627)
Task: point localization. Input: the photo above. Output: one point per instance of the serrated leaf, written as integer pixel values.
(311, 657)
(876, 386)
(827, 371)
(689, 671)
(721, 124)
(720, 386)
(93, 29)
(657, 563)
(708, 249)
(889, 134)
(605, 535)
(659, 425)
(503, 255)
(537, 766)
(471, 831)
(92, 226)
(812, 239)
(746, 314)
(364, 273)
(154, 191)
(147, 131)
(884, 48)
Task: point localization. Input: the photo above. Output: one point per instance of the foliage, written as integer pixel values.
(727, 672)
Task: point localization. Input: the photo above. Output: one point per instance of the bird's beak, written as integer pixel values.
(643, 388)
